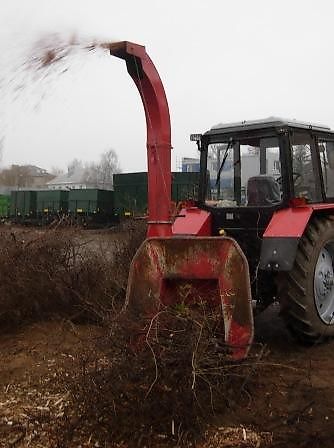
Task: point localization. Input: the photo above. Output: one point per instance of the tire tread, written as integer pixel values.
(292, 286)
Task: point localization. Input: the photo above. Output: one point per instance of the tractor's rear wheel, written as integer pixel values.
(307, 292)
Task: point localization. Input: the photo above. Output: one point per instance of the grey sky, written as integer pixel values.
(219, 61)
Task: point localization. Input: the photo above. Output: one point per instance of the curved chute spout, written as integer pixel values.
(147, 79)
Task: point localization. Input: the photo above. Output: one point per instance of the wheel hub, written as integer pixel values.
(324, 285)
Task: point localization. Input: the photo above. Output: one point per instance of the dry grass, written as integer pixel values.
(151, 382)
(57, 273)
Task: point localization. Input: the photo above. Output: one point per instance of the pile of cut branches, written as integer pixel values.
(165, 384)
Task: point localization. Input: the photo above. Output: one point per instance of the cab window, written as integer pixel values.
(326, 152)
(245, 172)
(304, 167)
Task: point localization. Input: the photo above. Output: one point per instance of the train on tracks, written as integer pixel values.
(91, 206)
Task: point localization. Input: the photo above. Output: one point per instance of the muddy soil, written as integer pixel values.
(290, 397)
(287, 401)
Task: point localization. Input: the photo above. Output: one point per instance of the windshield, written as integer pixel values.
(244, 172)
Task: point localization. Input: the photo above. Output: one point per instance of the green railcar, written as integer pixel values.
(23, 204)
(53, 202)
(131, 191)
(51, 205)
(4, 206)
(92, 205)
(184, 186)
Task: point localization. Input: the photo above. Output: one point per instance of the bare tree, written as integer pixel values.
(91, 173)
(99, 174)
(108, 166)
(56, 171)
(74, 166)
(16, 176)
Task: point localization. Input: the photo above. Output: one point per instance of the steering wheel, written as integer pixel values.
(295, 176)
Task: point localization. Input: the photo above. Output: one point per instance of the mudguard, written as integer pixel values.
(189, 270)
(281, 238)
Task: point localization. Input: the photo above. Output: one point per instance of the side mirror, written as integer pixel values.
(195, 137)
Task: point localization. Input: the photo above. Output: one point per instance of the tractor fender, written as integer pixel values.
(281, 238)
(192, 221)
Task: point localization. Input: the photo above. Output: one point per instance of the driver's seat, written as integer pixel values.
(263, 190)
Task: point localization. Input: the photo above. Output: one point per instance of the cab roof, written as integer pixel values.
(270, 122)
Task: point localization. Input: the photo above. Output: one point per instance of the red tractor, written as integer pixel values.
(262, 229)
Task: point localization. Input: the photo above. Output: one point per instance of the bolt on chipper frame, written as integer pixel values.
(261, 230)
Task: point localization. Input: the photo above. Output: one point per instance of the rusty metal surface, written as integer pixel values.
(214, 270)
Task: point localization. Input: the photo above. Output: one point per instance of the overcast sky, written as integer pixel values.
(220, 61)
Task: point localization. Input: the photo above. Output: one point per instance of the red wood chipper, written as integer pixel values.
(261, 228)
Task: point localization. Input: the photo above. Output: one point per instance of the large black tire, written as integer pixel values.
(306, 293)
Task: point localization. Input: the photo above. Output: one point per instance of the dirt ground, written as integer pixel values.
(291, 400)
(289, 396)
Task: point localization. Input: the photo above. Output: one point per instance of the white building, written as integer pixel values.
(77, 180)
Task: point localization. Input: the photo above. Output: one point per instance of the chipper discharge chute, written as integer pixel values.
(180, 262)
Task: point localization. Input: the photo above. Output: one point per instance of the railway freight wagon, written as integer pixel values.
(131, 191)
(4, 206)
(92, 206)
(184, 186)
(23, 206)
(51, 205)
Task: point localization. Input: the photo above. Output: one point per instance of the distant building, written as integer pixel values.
(190, 165)
(77, 180)
(36, 176)
(251, 166)
(24, 176)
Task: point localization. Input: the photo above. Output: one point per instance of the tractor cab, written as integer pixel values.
(251, 169)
